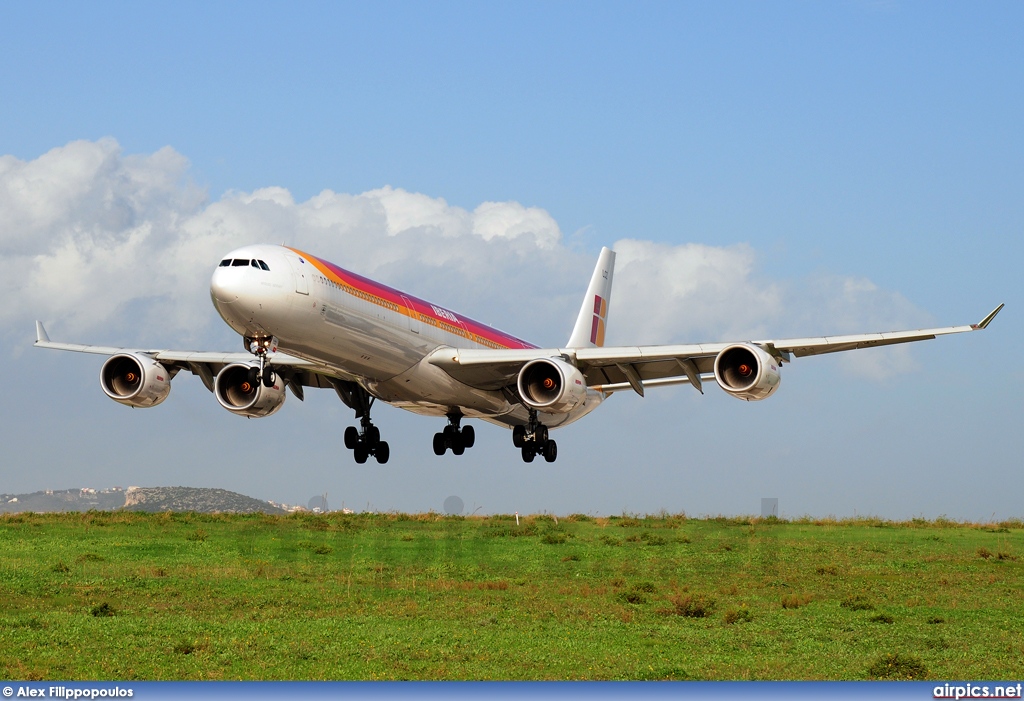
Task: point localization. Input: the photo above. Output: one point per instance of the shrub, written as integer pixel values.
(608, 540)
(197, 536)
(693, 605)
(984, 553)
(857, 603)
(936, 619)
(795, 601)
(897, 666)
(740, 615)
(102, 610)
(882, 618)
(61, 568)
(827, 569)
(631, 597)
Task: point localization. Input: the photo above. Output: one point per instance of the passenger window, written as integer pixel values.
(264, 265)
(238, 262)
(225, 263)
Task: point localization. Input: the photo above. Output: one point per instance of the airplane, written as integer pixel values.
(306, 322)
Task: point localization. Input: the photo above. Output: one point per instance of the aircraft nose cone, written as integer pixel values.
(224, 286)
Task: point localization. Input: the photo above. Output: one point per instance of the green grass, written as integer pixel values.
(189, 596)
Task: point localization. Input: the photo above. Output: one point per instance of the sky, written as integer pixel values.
(764, 170)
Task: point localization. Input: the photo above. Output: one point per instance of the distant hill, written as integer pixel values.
(195, 499)
(151, 499)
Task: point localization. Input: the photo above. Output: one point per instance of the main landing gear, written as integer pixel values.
(455, 437)
(365, 440)
(533, 440)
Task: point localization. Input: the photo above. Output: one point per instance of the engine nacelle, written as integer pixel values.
(135, 380)
(747, 372)
(552, 385)
(240, 393)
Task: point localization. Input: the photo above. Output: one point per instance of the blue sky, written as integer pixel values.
(862, 159)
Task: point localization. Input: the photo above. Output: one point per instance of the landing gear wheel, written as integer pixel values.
(468, 436)
(550, 451)
(458, 447)
(372, 436)
(269, 378)
(440, 445)
(519, 436)
(540, 434)
(351, 437)
(383, 452)
(254, 375)
(361, 453)
(528, 453)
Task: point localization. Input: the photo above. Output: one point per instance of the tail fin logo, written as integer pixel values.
(600, 314)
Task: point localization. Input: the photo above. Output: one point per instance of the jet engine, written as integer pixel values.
(552, 385)
(135, 380)
(747, 372)
(238, 391)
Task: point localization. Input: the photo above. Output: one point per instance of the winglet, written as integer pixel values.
(41, 336)
(988, 319)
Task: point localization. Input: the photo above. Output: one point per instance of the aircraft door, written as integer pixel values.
(302, 272)
(414, 324)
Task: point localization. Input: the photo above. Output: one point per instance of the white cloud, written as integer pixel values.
(115, 248)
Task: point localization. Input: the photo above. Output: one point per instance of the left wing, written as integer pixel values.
(634, 367)
(297, 372)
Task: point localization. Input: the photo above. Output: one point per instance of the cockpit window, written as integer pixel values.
(264, 265)
(225, 263)
(238, 262)
(253, 263)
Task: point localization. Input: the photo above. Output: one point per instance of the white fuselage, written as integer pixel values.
(362, 331)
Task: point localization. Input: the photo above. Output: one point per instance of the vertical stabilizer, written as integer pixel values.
(593, 318)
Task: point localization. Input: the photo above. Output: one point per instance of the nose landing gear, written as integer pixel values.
(532, 439)
(454, 436)
(260, 346)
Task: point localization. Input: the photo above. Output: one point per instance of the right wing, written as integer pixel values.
(634, 367)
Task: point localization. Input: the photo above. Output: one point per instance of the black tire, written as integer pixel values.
(519, 436)
(383, 452)
(440, 445)
(528, 453)
(372, 436)
(468, 436)
(269, 378)
(361, 453)
(351, 437)
(540, 436)
(458, 447)
(254, 375)
(550, 451)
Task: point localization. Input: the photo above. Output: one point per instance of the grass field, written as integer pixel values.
(189, 596)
